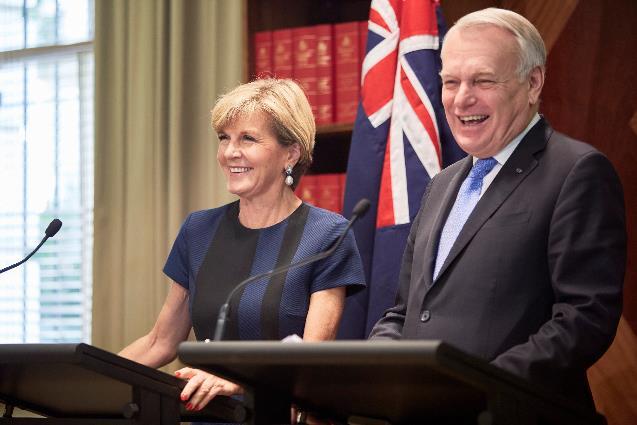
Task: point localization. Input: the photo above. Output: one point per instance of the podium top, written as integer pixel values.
(79, 380)
(398, 381)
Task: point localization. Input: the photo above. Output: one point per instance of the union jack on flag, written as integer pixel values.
(400, 141)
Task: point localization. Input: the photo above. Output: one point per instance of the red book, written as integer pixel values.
(362, 36)
(307, 189)
(343, 178)
(330, 191)
(262, 54)
(324, 75)
(347, 70)
(323, 191)
(282, 53)
(304, 70)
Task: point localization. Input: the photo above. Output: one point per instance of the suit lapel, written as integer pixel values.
(518, 166)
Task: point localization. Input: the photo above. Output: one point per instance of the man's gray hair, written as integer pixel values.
(531, 49)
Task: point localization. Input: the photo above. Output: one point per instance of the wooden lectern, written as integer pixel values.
(79, 384)
(365, 382)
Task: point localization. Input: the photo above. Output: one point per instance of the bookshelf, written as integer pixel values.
(332, 139)
(333, 135)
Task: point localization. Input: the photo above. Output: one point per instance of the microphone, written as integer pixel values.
(358, 211)
(53, 227)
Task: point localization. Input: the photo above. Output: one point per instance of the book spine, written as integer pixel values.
(330, 192)
(347, 70)
(263, 54)
(343, 180)
(324, 74)
(307, 189)
(282, 62)
(362, 36)
(304, 59)
(323, 190)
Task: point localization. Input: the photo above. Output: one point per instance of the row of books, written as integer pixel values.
(323, 191)
(325, 59)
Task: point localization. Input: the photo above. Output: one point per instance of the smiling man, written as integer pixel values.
(518, 252)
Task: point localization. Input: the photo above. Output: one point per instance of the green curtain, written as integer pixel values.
(159, 66)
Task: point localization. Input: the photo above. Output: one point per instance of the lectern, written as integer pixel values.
(396, 382)
(80, 384)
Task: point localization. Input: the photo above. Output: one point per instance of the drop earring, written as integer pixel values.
(289, 180)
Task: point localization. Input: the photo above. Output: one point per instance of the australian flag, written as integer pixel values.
(400, 141)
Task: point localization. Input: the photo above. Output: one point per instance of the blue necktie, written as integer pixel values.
(467, 198)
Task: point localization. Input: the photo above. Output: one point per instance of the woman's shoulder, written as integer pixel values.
(324, 220)
(206, 217)
(324, 215)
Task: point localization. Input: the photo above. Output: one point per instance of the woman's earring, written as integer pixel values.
(289, 180)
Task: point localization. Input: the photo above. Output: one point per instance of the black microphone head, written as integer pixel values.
(53, 228)
(360, 208)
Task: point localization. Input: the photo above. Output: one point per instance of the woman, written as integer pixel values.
(266, 138)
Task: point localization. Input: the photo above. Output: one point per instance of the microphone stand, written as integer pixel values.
(50, 231)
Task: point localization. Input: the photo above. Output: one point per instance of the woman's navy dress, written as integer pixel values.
(214, 252)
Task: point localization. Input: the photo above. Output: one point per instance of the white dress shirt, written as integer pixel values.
(504, 155)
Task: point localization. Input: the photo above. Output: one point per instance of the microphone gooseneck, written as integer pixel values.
(53, 227)
(358, 211)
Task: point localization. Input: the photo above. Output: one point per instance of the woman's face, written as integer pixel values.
(252, 159)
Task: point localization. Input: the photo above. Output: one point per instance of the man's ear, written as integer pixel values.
(536, 82)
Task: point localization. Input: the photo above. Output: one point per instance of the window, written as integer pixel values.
(46, 168)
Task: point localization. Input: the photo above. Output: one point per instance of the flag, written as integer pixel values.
(400, 141)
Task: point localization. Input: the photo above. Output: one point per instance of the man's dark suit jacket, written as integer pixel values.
(534, 281)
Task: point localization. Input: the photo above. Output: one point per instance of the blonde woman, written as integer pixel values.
(266, 137)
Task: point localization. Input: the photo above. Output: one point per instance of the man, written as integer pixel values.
(518, 259)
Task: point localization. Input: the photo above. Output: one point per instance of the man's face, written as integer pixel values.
(485, 102)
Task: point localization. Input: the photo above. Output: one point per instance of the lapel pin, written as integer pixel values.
(518, 170)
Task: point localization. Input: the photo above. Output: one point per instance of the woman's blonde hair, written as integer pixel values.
(287, 108)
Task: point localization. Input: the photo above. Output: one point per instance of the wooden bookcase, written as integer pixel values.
(332, 141)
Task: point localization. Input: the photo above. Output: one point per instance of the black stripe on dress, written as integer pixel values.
(231, 244)
(271, 303)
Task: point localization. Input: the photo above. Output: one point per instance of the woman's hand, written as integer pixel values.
(203, 387)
